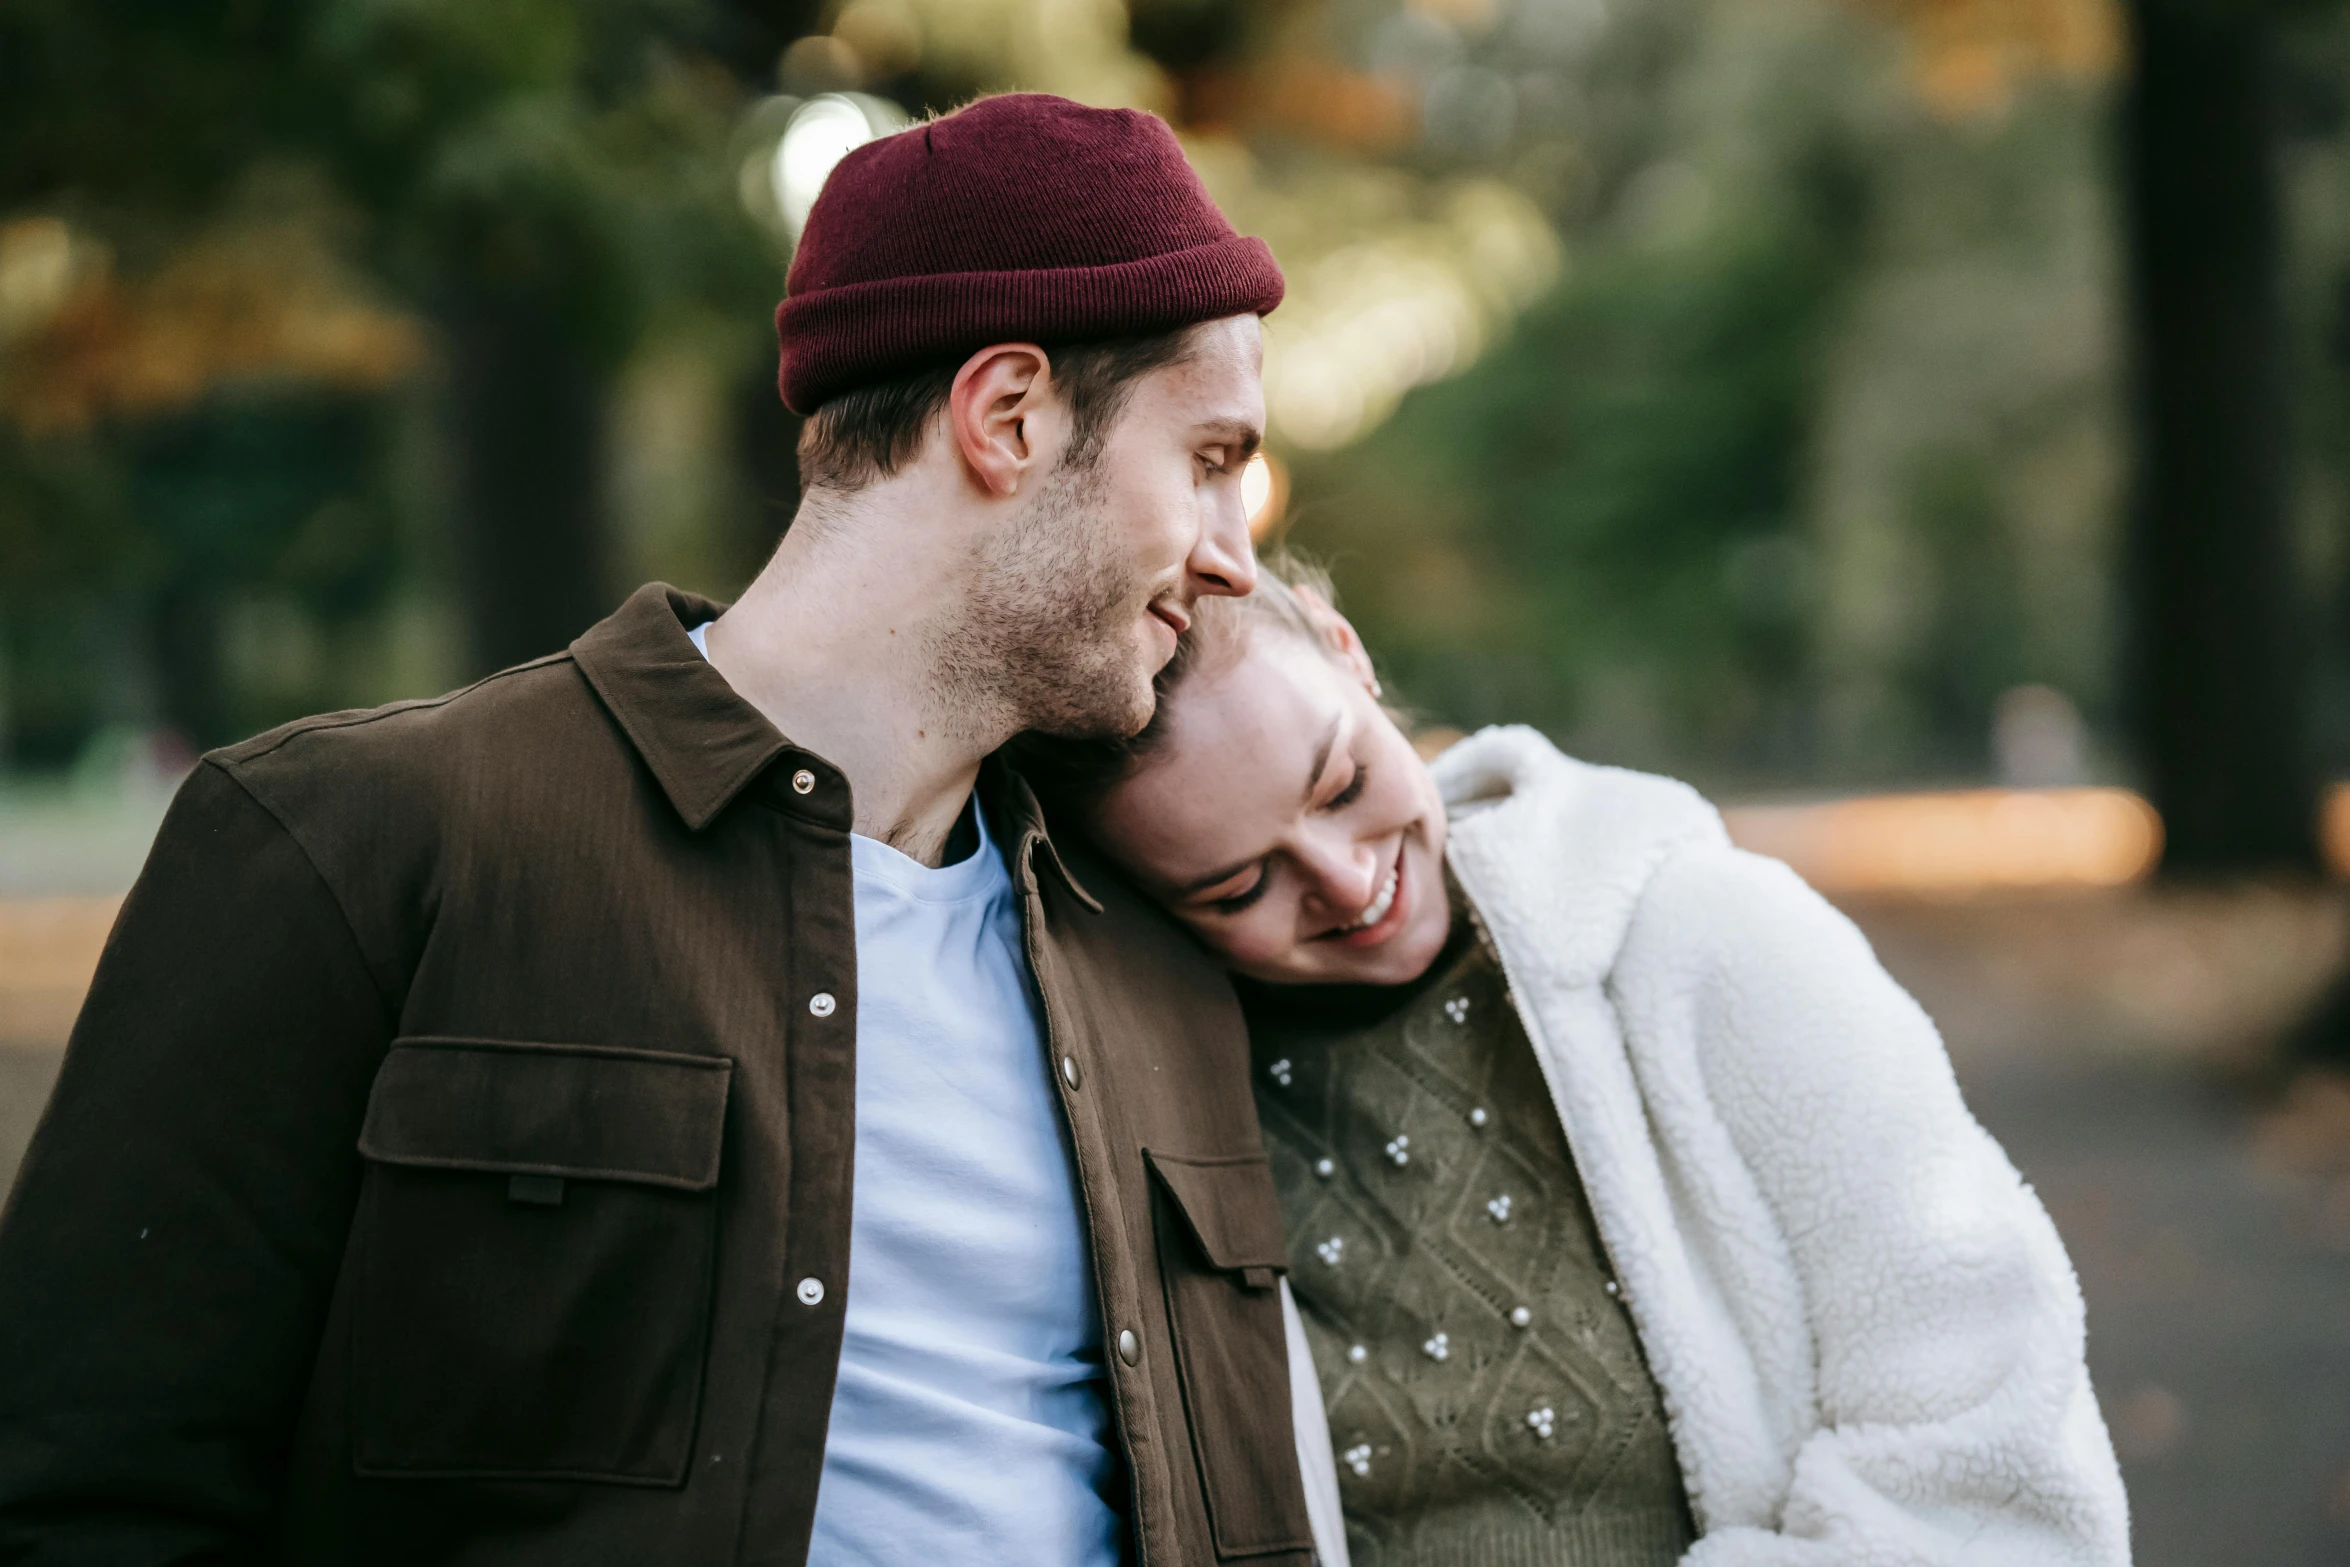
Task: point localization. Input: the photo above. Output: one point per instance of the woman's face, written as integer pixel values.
(1288, 821)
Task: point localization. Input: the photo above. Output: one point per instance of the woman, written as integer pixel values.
(1634, 1213)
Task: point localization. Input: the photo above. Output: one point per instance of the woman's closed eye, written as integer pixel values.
(1240, 902)
(1352, 792)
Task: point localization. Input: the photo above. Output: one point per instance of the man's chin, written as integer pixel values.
(1108, 719)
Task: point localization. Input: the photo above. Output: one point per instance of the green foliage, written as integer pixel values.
(565, 150)
(568, 157)
(149, 104)
(1599, 529)
(124, 556)
(252, 489)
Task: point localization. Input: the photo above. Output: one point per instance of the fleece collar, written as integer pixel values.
(1533, 829)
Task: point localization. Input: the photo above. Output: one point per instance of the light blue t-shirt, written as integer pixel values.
(971, 1424)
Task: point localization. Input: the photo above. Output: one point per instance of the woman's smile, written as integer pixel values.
(1384, 915)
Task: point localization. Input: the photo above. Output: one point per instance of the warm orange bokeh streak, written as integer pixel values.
(1968, 56)
(2334, 829)
(1967, 841)
(1309, 98)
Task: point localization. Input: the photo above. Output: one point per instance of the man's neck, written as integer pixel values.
(836, 642)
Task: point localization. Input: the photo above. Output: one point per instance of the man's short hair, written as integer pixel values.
(869, 432)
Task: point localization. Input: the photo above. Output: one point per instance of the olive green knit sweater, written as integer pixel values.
(1488, 1399)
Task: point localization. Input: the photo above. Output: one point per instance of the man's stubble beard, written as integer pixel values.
(1046, 640)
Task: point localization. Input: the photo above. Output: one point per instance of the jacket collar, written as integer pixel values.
(705, 745)
(1010, 801)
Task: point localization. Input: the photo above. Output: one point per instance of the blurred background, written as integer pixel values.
(1923, 423)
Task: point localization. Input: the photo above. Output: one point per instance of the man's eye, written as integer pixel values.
(1240, 902)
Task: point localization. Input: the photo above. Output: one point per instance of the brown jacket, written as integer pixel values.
(452, 1159)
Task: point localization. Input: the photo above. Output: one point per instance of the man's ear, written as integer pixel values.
(1338, 635)
(993, 412)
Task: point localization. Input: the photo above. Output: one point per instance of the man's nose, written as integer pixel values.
(1223, 562)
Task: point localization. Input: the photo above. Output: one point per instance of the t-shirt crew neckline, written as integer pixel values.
(976, 875)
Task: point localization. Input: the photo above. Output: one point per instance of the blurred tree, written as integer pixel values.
(204, 434)
(2221, 651)
(1600, 528)
(551, 178)
(548, 179)
(541, 182)
(244, 490)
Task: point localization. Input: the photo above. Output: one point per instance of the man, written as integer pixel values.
(453, 1160)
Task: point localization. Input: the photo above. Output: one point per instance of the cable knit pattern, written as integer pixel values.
(1867, 1333)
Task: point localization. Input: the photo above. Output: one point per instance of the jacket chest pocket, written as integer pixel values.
(535, 1250)
(1222, 1254)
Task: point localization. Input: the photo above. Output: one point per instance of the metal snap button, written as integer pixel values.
(803, 782)
(1069, 1070)
(811, 1292)
(822, 1004)
(1129, 1347)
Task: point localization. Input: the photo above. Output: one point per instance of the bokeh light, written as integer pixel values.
(824, 130)
(1264, 490)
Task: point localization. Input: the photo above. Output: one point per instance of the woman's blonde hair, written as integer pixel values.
(1075, 774)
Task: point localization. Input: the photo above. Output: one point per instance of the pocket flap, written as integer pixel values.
(1229, 1206)
(585, 1112)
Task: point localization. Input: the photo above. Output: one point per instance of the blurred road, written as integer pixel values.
(2098, 1038)
(26, 1073)
(2219, 1302)
(2120, 1046)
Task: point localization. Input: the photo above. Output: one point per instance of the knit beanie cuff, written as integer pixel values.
(856, 333)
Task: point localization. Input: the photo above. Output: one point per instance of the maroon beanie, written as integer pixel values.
(1024, 218)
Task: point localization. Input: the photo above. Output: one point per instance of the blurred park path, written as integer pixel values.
(2115, 1042)
(48, 948)
(2218, 1282)
(2122, 1047)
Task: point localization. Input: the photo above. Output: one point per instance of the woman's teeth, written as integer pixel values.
(1381, 904)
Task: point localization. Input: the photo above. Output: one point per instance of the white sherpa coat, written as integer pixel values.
(1866, 1332)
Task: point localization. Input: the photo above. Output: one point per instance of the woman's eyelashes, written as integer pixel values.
(1353, 790)
(1239, 902)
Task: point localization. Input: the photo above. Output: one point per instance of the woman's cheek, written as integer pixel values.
(1398, 800)
(1255, 943)
(1231, 939)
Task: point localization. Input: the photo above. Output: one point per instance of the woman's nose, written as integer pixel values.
(1345, 874)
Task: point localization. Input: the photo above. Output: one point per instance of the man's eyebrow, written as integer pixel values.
(1237, 432)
